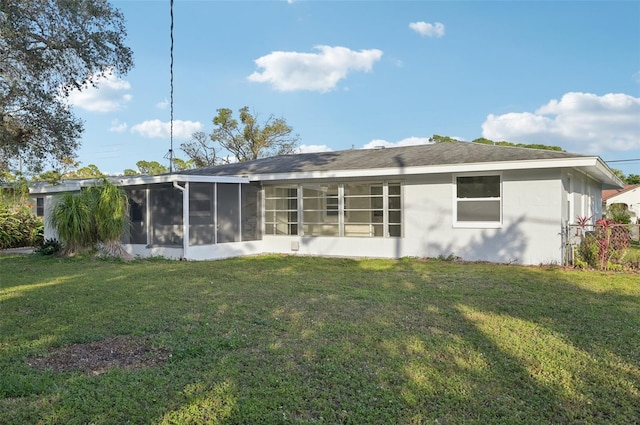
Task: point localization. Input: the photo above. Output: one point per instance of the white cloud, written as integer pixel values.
(577, 122)
(291, 71)
(428, 30)
(117, 126)
(409, 141)
(313, 148)
(163, 105)
(107, 96)
(156, 129)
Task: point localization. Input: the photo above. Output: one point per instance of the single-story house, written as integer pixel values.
(629, 197)
(473, 201)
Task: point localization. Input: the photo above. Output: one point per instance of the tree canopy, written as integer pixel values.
(436, 138)
(633, 179)
(154, 167)
(244, 140)
(47, 49)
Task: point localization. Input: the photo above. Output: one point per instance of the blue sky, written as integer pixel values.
(353, 74)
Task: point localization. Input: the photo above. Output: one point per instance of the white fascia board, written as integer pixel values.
(182, 178)
(608, 178)
(76, 185)
(578, 162)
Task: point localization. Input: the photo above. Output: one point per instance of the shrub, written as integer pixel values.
(49, 247)
(619, 213)
(19, 227)
(605, 247)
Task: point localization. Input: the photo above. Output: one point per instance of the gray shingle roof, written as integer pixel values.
(401, 157)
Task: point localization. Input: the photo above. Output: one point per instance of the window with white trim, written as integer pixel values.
(40, 206)
(320, 210)
(359, 209)
(281, 210)
(364, 209)
(478, 200)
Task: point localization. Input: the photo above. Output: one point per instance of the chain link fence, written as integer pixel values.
(603, 245)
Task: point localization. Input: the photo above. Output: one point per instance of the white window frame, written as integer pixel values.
(476, 224)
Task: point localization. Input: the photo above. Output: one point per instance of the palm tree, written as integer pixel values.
(97, 216)
(111, 215)
(73, 219)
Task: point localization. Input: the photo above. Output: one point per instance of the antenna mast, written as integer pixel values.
(171, 90)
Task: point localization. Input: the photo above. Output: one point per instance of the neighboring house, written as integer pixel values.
(629, 197)
(474, 201)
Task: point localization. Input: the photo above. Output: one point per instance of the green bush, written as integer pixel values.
(19, 227)
(49, 247)
(619, 214)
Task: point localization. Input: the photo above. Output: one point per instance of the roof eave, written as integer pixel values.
(75, 185)
(593, 166)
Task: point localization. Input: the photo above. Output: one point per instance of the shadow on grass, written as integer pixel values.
(304, 340)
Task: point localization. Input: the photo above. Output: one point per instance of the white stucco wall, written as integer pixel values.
(532, 219)
(530, 230)
(581, 196)
(50, 232)
(535, 206)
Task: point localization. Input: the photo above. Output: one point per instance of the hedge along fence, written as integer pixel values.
(604, 245)
(19, 227)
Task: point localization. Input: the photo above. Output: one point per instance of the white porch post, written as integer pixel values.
(185, 219)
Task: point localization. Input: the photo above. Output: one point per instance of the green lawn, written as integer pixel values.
(277, 340)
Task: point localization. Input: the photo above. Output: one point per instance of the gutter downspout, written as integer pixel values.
(185, 217)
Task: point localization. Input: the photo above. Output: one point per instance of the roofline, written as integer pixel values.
(592, 165)
(75, 185)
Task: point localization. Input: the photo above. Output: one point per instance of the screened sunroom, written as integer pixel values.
(180, 214)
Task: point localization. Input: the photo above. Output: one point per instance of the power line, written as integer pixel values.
(624, 160)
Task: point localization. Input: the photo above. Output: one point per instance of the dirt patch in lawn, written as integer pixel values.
(97, 357)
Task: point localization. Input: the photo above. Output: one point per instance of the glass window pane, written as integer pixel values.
(479, 211)
(358, 217)
(394, 203)
(356, 189)
(478, 187)
(357, 203)
(40, 206)
(395, 217)
(312, 204)
(376, 203)
(394, 189)
(395, 230)
(281, 210)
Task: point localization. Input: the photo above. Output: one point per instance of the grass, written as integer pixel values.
(277, 340)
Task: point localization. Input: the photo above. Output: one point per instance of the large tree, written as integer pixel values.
(47, 49)
(244, 140)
